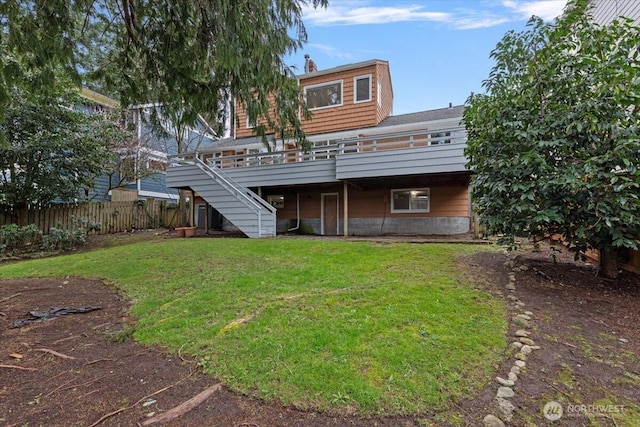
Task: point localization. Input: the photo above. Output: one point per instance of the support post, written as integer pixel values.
(192, 209)
(345, 207)
(206, 217)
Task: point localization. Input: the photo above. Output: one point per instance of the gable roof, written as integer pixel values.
(343, 68)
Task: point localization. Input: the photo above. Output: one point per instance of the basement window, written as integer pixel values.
(410, 200)
(324, 95)
(277, 201)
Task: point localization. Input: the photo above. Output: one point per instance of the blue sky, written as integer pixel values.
(438, 50)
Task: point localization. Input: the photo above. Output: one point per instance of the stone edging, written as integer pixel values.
(525, 345)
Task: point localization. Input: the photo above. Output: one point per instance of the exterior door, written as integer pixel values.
(329, 214)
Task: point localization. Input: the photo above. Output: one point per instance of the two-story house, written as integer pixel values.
(368, 172)
(140, 167)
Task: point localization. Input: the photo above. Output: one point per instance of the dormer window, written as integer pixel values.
(324, 95)
(362, 89)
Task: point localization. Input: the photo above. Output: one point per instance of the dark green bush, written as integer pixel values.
(13, 237)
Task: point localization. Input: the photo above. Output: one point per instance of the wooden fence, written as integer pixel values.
(112, 217)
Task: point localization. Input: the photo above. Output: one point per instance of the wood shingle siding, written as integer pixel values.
(350, 114)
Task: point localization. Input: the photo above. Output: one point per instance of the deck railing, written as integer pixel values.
(329, 149)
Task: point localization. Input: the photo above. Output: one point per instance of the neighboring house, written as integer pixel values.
(606, 11)
(368, 172)
(143, 162)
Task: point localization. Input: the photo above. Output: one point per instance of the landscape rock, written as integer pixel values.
(515, 370)
(505, 392)
(521, 333)
(527, 341)
(528, 313)
(521, 356)
(524, 316)
(511, 287)
(506, 408)
(520, 322)
(526, 349)
(506, 383)
(512, 376)
(492, 421)
(520, 363)
(623, 340)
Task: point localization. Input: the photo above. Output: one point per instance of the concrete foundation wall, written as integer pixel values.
(397, 226)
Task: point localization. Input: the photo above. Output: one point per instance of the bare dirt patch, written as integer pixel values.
(84, 369)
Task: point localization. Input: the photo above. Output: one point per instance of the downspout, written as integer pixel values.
(297, 213)
(137, 156)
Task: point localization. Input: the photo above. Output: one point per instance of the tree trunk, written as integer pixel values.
(608, 262)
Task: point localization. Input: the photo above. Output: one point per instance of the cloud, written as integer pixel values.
(545, 9)
(482, 16)
(345, 15)
(331, 51)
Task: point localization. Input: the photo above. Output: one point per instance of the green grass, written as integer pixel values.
(329, 325)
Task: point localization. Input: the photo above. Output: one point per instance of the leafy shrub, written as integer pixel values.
(13, 237)
(61, 239)
(85, 224)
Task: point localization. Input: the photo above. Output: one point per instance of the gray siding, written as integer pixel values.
(605, 11)
(312, 172)
(413, 161)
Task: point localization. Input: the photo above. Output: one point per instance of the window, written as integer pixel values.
(362, 89)
(410, 200)
(379, 96)
(324, 95)
(250, 124)
(440, 138)
(128, 169)
(276, 201)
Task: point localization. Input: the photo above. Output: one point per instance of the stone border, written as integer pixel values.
(525, 345)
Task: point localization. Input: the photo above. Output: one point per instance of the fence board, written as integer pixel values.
(113, 217)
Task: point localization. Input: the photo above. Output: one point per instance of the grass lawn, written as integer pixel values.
(329, 325)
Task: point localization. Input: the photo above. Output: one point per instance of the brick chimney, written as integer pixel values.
(309, 65)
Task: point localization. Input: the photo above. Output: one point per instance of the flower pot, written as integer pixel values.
(189, 231)
(180, 231)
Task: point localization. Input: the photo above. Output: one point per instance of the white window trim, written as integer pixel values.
(355, 88)
(427, 189)
(379, 94)
(326, 84)
(249, 124)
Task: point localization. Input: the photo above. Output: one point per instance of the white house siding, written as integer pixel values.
(605, 11)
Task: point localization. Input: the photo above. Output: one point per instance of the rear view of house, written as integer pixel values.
(368, 172)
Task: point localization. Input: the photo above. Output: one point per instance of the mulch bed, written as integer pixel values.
(84, 369)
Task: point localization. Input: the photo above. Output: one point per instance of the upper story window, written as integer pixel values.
(362, 88)
(250, 124)
(324, 95)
